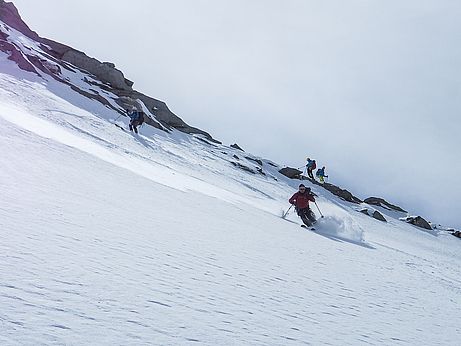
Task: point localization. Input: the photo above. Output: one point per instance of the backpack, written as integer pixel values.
(140, 117)
(314, 165)
(137, 116)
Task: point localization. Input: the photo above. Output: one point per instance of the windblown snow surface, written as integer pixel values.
(107, 238)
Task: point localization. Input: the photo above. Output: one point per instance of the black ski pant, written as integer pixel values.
(307, 215)
(134, 125)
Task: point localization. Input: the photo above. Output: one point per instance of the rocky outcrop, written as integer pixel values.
(378, 216)
(294, 173)
(243, 167)
(457, 234)
(383, 204)
(105, 72)
(236, 146)
(341, 193)
(258, 161)
(15, 55)
(291, 173)
(374, 214)
(417, 221)
(10, 16)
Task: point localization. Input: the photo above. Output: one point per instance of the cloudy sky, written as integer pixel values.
(371, 89)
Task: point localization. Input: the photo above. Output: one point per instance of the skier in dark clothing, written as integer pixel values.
(310, 166)
(137, 119)
(301, 202)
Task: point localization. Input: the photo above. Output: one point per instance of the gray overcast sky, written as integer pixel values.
(371, 89)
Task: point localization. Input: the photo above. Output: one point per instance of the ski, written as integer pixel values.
(309, 228)
(121, 128)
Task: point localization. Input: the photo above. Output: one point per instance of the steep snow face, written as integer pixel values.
(111, 238)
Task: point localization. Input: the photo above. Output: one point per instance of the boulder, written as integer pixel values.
(378, 216)
(373, 213)
(457, 234)
(384, 204)
(364, 211)
(236, 146)
(291, 173)
(417, 221)
(344, 194)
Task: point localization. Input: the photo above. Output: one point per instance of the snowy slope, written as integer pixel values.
(110, 238)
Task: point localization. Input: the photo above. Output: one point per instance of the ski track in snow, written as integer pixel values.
(109, 238)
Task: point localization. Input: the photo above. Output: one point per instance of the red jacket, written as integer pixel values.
(301, 200)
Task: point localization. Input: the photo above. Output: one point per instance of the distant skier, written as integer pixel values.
(301, 202)
(137, 119)
(321, 174)
(310, 166)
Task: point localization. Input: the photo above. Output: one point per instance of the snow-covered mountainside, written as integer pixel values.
(87, 76)
(169, 238)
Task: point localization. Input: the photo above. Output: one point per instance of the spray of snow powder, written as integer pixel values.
(343, 227)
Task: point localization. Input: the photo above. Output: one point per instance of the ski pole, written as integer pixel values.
(319, 209)
(118, 117)
(286, 213)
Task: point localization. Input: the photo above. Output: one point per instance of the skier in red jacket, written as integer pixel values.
(301, 202)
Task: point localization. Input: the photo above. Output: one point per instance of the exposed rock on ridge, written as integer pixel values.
(383, 204)
(417, 221)
(294, 173)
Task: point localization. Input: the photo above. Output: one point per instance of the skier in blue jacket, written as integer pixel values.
(321, 174)
(137, 119)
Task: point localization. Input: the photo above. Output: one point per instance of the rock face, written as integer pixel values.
(418, 221)
(384, 204)
(106, 72)
(10, 15)
(291, 173)
(53, 57)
